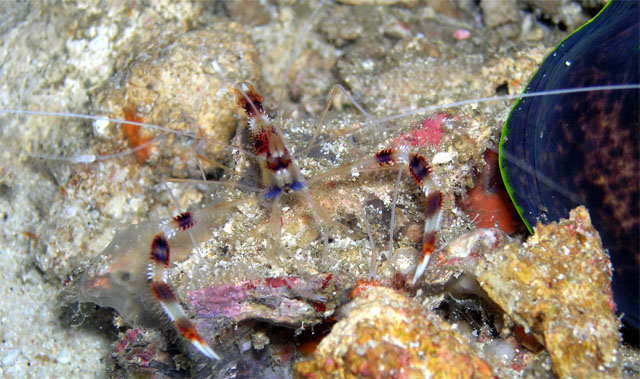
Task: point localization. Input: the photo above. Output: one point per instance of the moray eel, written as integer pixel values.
(559, 151)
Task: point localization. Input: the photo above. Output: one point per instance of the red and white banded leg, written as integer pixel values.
(420, 172)
(159, 261)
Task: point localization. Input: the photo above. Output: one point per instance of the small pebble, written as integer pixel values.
(10, 357)
(461, 34)
(502, 350)
(65, 357)
(442, 157)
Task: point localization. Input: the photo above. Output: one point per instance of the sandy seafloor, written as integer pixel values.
(60, 57)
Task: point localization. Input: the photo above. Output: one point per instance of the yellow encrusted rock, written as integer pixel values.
(386, 333)
(557, 285)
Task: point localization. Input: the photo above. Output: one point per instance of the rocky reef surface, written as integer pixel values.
(490, 303)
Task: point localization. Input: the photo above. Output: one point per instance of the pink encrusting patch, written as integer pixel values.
(223, 300)
(280, 282)
(129, 337)
(429, 132)
(461, 34)
(289, 299)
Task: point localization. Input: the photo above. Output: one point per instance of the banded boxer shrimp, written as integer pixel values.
(357, 71)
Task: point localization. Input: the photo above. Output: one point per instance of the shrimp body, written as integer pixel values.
(279, 171)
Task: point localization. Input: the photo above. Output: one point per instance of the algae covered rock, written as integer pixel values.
(557, 285)
(385, 333)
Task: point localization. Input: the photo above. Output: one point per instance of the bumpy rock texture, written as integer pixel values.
(183, 81)
(60, 216)
(558, 286)
(387, 334)
(555, 286)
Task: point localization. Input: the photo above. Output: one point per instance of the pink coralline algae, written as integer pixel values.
(286, 301)
(428, 132)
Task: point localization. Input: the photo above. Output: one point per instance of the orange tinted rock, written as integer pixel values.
(557, 285)
(385, 323)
